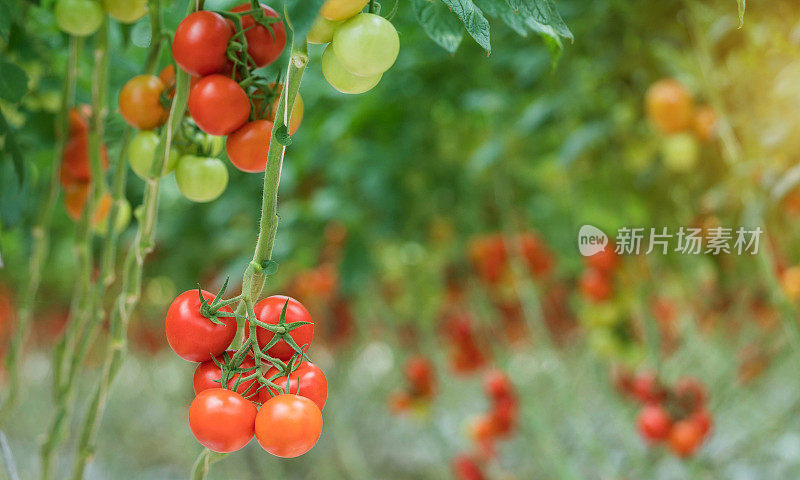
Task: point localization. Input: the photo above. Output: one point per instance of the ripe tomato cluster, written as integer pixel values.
(267, 388)
(466, 354)
(501, 420)
(677, 415)
(671, 110)
(420, 385)
(84, 17)
(362, 46)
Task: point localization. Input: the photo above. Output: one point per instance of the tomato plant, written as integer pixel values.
(269, 311)
(263, 44)
(222, 420)
(288, 425)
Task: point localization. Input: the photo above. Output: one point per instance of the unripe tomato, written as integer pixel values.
(193, 336)
(268, 311)
(669, 105)
(247, 147)
(704, 123)
(140, 102)
(366, 45)
(218, 105)
(341, 79)
(288, 426)
(654, 423)
(322, 30)
(126, 11)
(307, 381)
(79, 17)
(263, 45)
(141, 153)
(201, 43)
(207, 375)
(123, 218)
(341, 9)
(685, 438)
(222, 420)
(680, 152)
(201, 179)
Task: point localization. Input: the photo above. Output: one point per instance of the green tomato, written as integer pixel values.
(123, 219)
(142, 151)
(366, 45)
(79, 17)
(126, 11)
(201, 179)
(680, 152)
(341, 79)
(322, 30)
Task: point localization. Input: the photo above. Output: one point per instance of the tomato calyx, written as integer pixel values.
(212, 311)
(231, 368)
(282, 332)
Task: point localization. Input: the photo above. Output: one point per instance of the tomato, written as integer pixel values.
(141, 153)
(167, 76)
(75, 195)
(654, 422)
(497, 385)
(341, 79)
(193, 336)
(596, 285)
(420, 376)
(489, 255)
(222, 420)
(201, 43)
(207, 375)
(307, 381)
(268, 311)
(264, 46)
(366, 45)
(790, 282)
(322, 30)
(680, 152)
(537, 257)
(201, 179)
(248, 147)
(605, 260)
(296, 114)
(690, 393)
(704, 123)
(75, 167)
(400, 402)
(669, 105)
(218, 105)
(288, 426)
(79, 120)
(685, 438)
(481, 428)
(123, 218)
(702, 419)
(79, 17)
(341, 9)
(465, 468)
(140, 102)
(126, 11)
(646, 388)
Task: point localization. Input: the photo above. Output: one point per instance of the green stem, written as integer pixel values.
(203, 463)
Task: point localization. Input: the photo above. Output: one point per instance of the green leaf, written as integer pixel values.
(5, 20)
(551, 39)
(13, 82)
(500, 9)
(742, 5)
(11, 147)
(439, 23)
(476, 24)
(543, 12)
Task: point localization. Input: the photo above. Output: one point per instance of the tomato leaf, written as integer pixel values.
(543, 12)
(500, 9)
(13, 82)
(472, 16)
(439, 23)
(742, 5)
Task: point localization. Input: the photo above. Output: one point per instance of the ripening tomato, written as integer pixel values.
(75, 195)
(263, 45)
(340, 79)
(497, 385)
(201, 179)
(322, 30)
(489, 256)
(126, 11)
(307, 380)
(420, 376)
(296, 114)
(140, 102)
(218, 105)
(193, 336)
(481, 428)
(685, 438)
(268, 311)
(248, 146)
(207, 375)
(465, 468)
(595, 285)
(142, 151)
(702, 419)
(123, 219)
(288, 426)
(704, 123)
(537, 257)
(79, 17)
(167, 76)
(200, 45)
(669, 105)
(75, 167)
(366, 45)
(79, 120)
(222, 420)
(338, 10)
(654, 423)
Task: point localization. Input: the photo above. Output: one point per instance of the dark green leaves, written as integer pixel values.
(543, 12)
(13, 82)
(474, 21)
(439, 23)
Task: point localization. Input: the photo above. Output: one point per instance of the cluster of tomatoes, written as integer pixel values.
(677, 415)
(671, 110)
(362, 45)
(267, 388)
(84, 17)
(420, 385)
(466, 353)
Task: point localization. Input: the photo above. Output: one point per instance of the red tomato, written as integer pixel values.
(685, 438)
(504, 415)
(654, 422)
(420, 376)
(222, 420)
(465, 468)
(79, 120)
(490, 257)
(288, 426)
(208, 374)
(536, 254)
(201, 43)
(702, 419)
(307, 381)
(248, 147)
(75, 166)
(481, 428)
(218, 105)
(646, 388)
(268, 311)
(596, 285)
(140, 102)
(497, 385)
(605, 260)
(193, 336)
(264, 46)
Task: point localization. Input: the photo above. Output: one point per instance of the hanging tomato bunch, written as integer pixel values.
(266, 388)
(420, 385)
